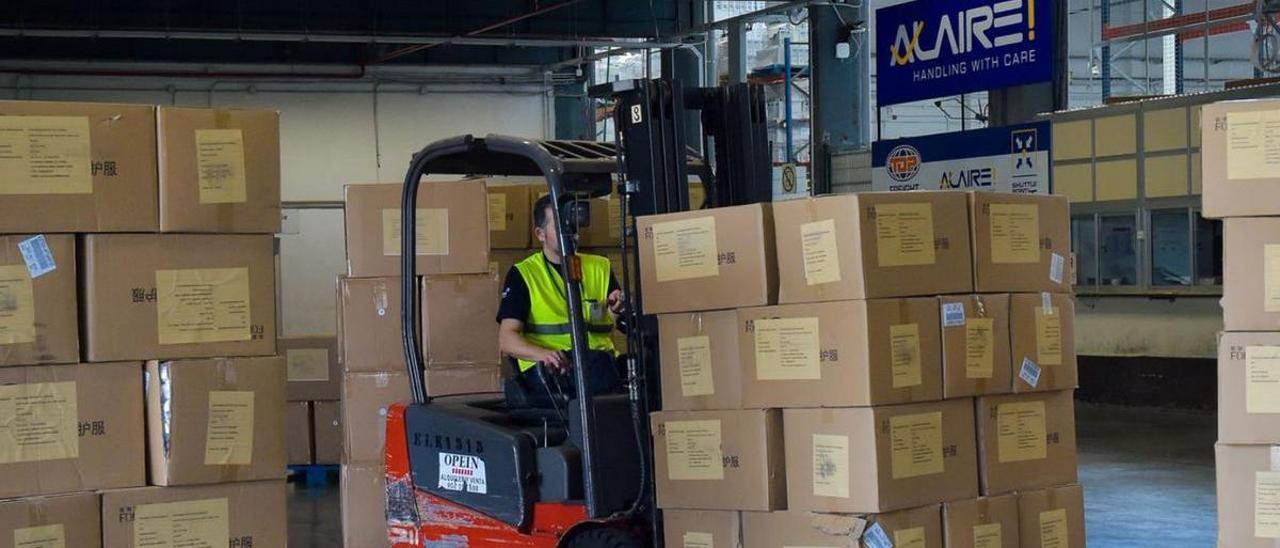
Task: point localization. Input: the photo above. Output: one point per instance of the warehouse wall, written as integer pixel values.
(1186, 327)
(332, 133)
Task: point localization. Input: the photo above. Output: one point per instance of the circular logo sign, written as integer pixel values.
(789, 178)
(903, 163)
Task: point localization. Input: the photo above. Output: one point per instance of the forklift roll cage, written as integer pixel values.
(652, 179)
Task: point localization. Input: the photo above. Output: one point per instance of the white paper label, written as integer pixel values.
(462, 473)
(1056, 265)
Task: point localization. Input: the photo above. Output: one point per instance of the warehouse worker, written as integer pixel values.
(533, 315)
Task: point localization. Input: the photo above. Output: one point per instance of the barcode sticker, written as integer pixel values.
(1056, 265)
(1030, 372)
(1046, 302)
(36, 253)
(875, 537)
(952, 314)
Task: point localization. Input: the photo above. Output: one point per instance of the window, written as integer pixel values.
(1170, 247)
(1084, 245)
(1119, 251)
(1208, 251)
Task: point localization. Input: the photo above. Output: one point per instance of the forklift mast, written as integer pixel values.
(654, 179)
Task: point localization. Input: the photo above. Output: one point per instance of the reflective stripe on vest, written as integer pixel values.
(548, 322)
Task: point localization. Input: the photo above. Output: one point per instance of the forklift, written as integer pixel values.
(480, 470)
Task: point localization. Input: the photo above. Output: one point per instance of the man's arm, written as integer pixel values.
(511, 342)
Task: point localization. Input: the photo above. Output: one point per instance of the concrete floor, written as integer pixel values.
(1147, 474)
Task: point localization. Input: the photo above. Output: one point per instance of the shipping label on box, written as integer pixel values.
(78, 167)
(216, 420)
(71, 428)
(719, 460)
(871, 245)
(708, 259)
(451, 228)
(1026, 441)
(219, 170)
(38, 295)
(841, 353)
(876, 459)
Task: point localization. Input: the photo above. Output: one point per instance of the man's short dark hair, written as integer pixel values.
(540, 208)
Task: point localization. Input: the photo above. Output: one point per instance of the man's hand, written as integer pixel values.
(555, 361)
(617, 302)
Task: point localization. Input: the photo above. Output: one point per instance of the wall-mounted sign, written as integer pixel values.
(1002, 159)
(936, 48)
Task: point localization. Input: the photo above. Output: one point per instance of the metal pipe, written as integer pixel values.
(505, 22)
(327, 38)
(786, 96)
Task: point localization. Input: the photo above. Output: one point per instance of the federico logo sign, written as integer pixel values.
(1003, 159)
(936, 48)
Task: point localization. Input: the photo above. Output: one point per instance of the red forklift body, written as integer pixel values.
(431, 519)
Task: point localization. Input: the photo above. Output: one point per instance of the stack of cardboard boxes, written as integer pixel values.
(459, 299)
(140, 260)
(313, 417)
(913, 383)
(1239, 143)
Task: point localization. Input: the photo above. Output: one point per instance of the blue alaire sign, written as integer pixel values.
(937, 48)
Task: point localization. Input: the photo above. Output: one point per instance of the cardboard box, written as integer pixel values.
(458, 324)
(298, 432)
(1248, 391)
(701, 528)
(251, 514)
(92, 434)
(1043, 341)
(698, 354)
(841, 353)
(452, 380)
(327, 431)
(975, 345)
(873, 244)
(216, 420)
(1021, 242)
(914, 528)
(604, 230)
(219, 170)
(1239, 177)
(369, 338)
(365, 399)
(984, 522)
(1026, 441)
(312, 363)
(1054, 518)
(605, 212)
(709, 259)
(501, 260)
(55, 522)
(879, 459)
(1251, 285)
(364, 506)
(105, 180)
(510, 218)
(1248, 485)
(162, 296)
(719, 460)
(452, 231)
(38, 319)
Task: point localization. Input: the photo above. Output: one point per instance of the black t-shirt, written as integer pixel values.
(515, 303)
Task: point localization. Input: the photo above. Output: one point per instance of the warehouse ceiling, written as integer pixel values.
(346, 32)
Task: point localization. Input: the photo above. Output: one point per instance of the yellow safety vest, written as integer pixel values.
(548, 322)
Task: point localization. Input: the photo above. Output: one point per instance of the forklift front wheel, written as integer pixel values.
(604, 537)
